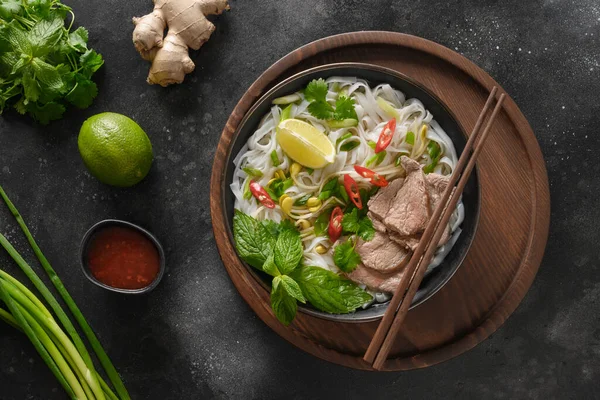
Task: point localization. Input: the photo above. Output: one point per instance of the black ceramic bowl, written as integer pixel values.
(374, 75)
(89, 236)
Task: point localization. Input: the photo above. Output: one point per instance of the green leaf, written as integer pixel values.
(45, 113)
(253, 172)
(17, 39)
(316, 90)
(90, 63)
(78, 39)
(344, 109)
(275, 158)
(283, 304)
(321, 110)
(44, 35)
(329, 189)
(269, 266)
(10, 8)
(348, 146)
(322, 222)
(271, 226)
(328, 291)
(285, 113)
(350, 221)
(84, 92)
(49, 79)
(253, 241)
(292, 288)
(31, 89)
(302, 200)
(345, 257)
(366, 231)
(288, 251)
(410, 138)
(277, 188)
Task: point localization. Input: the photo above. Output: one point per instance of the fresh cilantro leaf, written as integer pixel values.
(348, 146)
(350, 221)
(253, 241)
(302, 200)
(344, 108)
(316, 90)
(269, 266)
(83, 93)
(345, 257)
(321, 109)
(283, 304)
(366, 231)
(44, 35)
(50, 111)
(288, 251)
(328, 291)
(78, 39)
(292, 288)
(90, 62)
(410, 138)
(253, 172)
(31, 89)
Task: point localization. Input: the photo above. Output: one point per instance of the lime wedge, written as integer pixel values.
(305, 144)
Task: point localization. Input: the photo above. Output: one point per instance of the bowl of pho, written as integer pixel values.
(332, 177)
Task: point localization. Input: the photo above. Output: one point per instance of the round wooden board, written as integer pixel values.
(513, 227)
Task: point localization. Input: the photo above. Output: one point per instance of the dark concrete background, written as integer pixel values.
(194, 337)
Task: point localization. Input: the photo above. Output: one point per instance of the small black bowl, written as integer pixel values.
(87, 239)
(373, 74)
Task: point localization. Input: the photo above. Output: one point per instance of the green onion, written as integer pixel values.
(345, 136)
(302, 200)
(285, 113)
(348, 146)
(376, 159)
(287, 99)
(310, 170)
(247, 193)
(275, 158)
(410, 138)
(85, 327)
(372, 144)
(344, 123)
(253, 172)
(9, 319)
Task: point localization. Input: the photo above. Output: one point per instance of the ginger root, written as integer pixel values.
(188, 28)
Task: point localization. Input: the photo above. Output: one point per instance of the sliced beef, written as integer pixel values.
(409, 210)
(375, 280)
(436, 185)
(377, 224)
(381, 253)
(408, 242)
(380, 203)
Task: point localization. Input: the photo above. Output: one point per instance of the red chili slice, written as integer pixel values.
(353, 192)
(374, 177)
(261, 194)
(335, 224)
(386, 135)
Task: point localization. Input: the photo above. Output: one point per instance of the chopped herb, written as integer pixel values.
(310, 170)
(329, 189)
(344, 109)
(316, 94)
(410, 138)
(435, 152)
(247, 193)
(277, 188)
(345, 256)
(316, 90)
(343, 123)
(285, 113)
(345, 136)
(348, 146)
(302, 200)
(275, 158)
(253, 172)
(372, 144)
(376, 159)
(354, 223)
(322, 222)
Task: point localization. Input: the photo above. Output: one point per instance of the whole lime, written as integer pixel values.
(115, 149)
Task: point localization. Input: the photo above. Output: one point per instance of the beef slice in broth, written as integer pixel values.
(381, 253)
(380, 203)
(436, 185)
(409, 213)
(376, 280)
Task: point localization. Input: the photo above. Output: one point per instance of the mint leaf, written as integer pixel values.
(321, 110)
(316, 90)
(253, 241)
(271, 226)
(31, 89)
(345, 257)
(288, 251)
(269, 266)
(17, 39)
(10, 8)
(284, 306)
(292, 288)
(366, 231)
(344, 108)
(328, 291)
(44, 35)
(350, 222)
(48, 77)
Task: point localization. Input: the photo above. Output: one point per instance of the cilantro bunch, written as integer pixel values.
(319, 107)
(44, 66)
(277, 250)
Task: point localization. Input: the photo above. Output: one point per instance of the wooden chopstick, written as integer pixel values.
(388, 328)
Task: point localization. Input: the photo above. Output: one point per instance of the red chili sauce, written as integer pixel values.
(123, 258)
